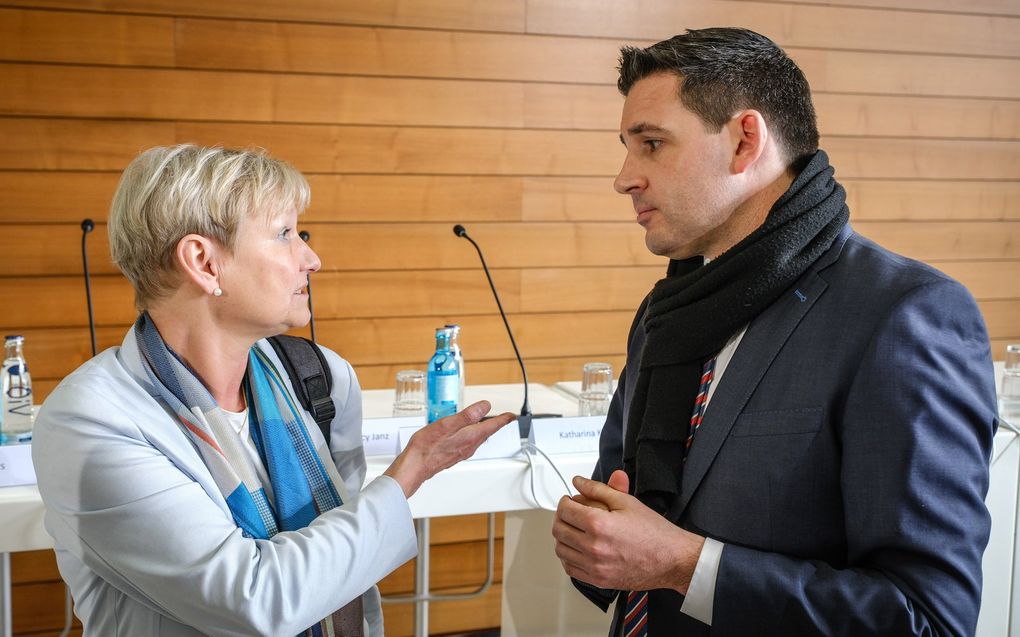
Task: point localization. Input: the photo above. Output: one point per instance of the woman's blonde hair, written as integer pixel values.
(168, 192)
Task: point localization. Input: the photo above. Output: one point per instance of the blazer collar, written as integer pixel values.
(765, 337)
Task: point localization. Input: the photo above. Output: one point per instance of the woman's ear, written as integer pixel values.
(200, 260)
(751, 135)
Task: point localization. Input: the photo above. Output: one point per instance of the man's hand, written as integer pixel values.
(610, 539)
(442, 444)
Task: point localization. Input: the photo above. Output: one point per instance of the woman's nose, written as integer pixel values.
(310, 259)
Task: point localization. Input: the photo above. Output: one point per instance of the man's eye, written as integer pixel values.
(652, 144)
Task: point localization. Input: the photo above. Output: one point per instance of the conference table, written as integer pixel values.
(472, 487)
(537, 597)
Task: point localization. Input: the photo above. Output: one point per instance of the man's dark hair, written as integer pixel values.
(725, 70)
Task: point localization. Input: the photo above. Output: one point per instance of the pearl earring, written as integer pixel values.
(217, 292)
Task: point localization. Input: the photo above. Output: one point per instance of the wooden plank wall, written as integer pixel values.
(410, 116)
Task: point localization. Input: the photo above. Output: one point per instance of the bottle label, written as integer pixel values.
(17, 398)
(444, 388)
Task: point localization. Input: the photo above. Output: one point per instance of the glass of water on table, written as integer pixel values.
(410, 395)
(596, 389)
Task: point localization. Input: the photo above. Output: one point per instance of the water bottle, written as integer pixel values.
(443, 378)
(17, 393)
(455, 348)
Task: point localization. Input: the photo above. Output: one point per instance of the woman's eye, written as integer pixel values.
(285, 233)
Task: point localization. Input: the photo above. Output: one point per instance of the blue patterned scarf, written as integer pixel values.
(300, 486)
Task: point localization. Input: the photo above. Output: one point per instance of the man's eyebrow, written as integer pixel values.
(643, 127)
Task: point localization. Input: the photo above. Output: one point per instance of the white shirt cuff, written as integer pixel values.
(701, 593)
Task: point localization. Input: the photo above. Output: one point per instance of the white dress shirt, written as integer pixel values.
(701, 592)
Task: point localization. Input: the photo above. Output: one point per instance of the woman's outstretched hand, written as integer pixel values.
(444, 443)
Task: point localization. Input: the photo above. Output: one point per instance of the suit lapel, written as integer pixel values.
(765, 337)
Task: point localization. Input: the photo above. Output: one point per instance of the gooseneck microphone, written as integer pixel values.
(88, 226)
(305, 236)
(524, 419)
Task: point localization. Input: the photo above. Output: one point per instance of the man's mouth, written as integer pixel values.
(643, 213)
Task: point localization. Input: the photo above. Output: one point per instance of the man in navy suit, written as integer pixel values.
(799, 443)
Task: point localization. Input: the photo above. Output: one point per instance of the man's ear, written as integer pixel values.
(200, 259)
(750, 134)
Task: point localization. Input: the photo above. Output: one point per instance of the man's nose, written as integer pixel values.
(628, 179)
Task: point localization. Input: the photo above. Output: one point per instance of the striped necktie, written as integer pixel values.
(635, 619)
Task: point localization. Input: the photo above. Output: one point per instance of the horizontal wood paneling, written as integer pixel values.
(452, 566)
(105, 92)
(918, 117)
(59, 302)
(33, 566)
(444, 14)
(80, 144)
(71, 196)
(540, 370)
(986, 279)
(207, 95)
(919, 75)
(463, 528)
(1000, 316)
(39, 607)
(84, 38)
(923, 159)
(904, 200)
(978, 7)
(506, 370)
(448, 617)
(998, 346)
(33, 144)
(947, 240)
(309, 48)
(532, 59)
(790, 25)
(75, 144)
(482, 337)
(55, 250)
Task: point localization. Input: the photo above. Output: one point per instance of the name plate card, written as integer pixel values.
(506, 442)
(577, 434)
(16, 465)
(380, 435)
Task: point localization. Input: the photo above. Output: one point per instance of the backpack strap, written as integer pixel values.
(309, 374)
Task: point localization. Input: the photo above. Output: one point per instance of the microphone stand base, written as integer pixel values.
(524, 422)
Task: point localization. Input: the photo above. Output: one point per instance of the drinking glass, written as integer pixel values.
(410, 397)
(596, 389)
(1009, 397)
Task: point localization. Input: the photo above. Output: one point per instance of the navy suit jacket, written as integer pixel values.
(843, 459)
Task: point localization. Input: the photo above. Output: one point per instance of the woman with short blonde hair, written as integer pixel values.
(186, 490)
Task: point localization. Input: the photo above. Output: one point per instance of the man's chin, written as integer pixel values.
(670, 251)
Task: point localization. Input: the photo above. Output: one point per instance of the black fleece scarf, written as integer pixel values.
(695, 310)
